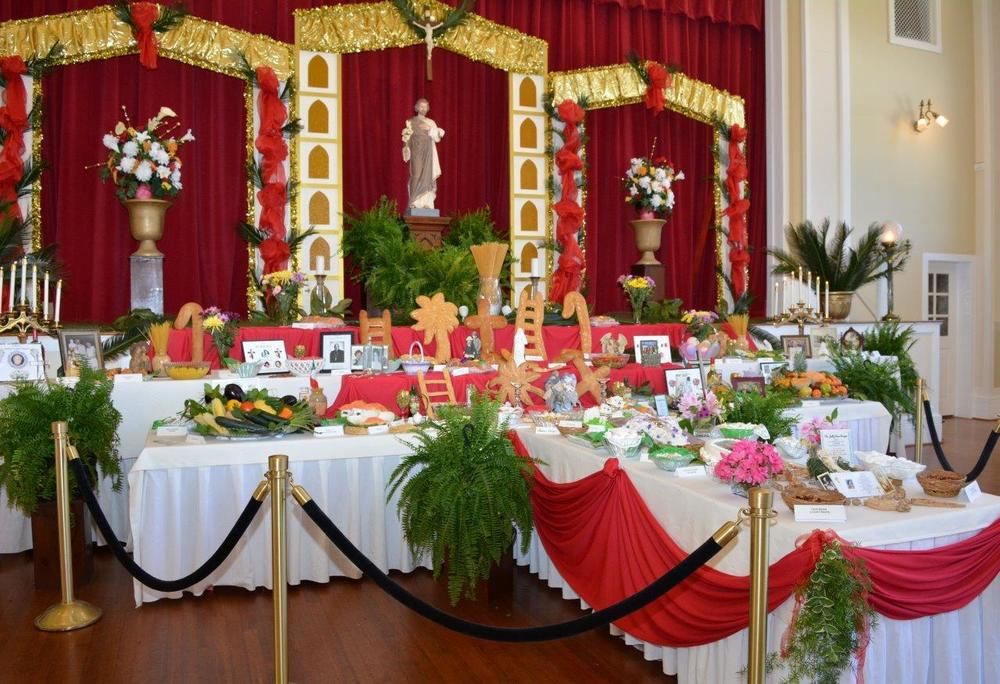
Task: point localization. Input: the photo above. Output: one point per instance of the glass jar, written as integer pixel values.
(489, 289)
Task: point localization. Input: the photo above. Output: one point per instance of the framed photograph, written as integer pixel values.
(768, 368)
(335, 350)
(646, 343)
(271, 354)
(793, 345)
(823, 337)
(378, 358)
(681, 381)
(853, 340)
(357, 357)
(749, 383)
(78, 347)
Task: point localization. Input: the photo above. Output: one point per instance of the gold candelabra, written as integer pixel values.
(23, 321)
(800, 314)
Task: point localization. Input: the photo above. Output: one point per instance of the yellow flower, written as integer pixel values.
(278, 277)
(637, 283)
(212, 323)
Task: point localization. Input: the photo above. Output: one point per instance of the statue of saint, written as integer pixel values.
(420, 138)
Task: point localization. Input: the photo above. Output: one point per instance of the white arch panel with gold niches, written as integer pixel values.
(530, 226)
(320, 191)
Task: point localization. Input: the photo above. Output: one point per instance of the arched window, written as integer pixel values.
(318, 73)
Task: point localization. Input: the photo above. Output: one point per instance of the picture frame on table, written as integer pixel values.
(369, 357)
(357, 357)
(681, 381)
(80, 346)
(793, 345)
(335, 350)
(646, 344)
(852, 340)
(768, 369)
(749, 383)
(271, 354)
(824, 338)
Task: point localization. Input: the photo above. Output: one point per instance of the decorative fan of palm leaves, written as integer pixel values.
(826, 253)
(454, 18)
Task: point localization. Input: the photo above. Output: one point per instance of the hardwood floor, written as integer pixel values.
(344, 631)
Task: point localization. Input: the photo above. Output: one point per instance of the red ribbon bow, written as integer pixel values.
(568, 275)
(13, 120)
(143, 16)
(659, 80)
(275, 254)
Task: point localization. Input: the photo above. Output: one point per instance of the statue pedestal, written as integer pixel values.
(147, 282)
(426, 230)
(657, 273)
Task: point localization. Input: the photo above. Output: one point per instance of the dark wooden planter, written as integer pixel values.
(45, 545)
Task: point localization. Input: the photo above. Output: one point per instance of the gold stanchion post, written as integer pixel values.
(277, 477)
(70, 613)
(760, 520)
(918, 424)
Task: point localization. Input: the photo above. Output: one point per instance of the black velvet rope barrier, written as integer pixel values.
(984, 456)
(207, 568)
(599, 618)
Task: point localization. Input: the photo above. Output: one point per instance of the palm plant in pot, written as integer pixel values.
(462, 492)
(27, 458)
(826, 252)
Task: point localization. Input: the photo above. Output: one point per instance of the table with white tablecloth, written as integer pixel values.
(868, 421)
(184, 498)
(960, 646)
(141, 403)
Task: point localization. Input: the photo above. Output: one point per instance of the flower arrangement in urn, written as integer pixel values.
(278, 292)
(749, 464)
(143, 164)
(638, 289)
(703, 341)
(648, 185)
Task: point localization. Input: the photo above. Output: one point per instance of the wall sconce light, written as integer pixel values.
(927, 116)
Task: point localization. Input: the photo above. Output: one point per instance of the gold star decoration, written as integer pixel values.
(485, 323)
(510, 374)
(436, 317)
(590, 379)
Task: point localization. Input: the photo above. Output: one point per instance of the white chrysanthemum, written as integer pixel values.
(127, 164)
(144, 171)
(635, 162)
(160, 156)
(110, 141)
(661, 175)
(670, 198)
(175, 177)
(130, 149)
(633, 191)
(657, 186)
(142, 137)
(187, 137)
(645, 182)
(163, 172)
(656, 201)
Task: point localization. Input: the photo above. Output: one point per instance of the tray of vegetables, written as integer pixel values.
(232, 413)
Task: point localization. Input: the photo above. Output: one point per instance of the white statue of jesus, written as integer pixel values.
(420, 138)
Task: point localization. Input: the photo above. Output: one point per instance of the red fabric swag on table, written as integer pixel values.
(659, 80)
(143, 16)
(13, 120)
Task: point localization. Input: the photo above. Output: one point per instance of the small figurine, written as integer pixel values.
(473, 345)
(560, 392)
(139, 358)
(612, 345)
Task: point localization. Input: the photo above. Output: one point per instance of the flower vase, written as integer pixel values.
(146, 218)
(489, 289)
(741, 489)
(647, 239)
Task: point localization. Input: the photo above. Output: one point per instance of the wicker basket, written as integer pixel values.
(413, 364)
(563, 430)
(943, 483)
(610, 360)
(810, 496)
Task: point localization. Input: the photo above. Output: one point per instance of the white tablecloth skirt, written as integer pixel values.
(192, 509)
(962, 646)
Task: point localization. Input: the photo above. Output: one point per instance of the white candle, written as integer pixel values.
(774, 307)
(784, 294)
(321, 264)
(536, 268)
(34, 287)
(1, 289)
(13, 283)
(809, 285)
(24, 279)
(827, 298)
(58, 298)
(800, 284)
(45, 312)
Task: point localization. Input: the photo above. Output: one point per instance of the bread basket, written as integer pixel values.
(942, 483)
(413, 364)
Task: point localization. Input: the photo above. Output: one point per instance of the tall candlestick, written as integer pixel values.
(827, 298)
(34, 287)
(45, 312)
(784, 293)
(24, 279)
(58, 298)
(13, 286)
(809, 285)
(775, 310)
(800, 284)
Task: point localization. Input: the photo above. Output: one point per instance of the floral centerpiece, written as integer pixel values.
(638, 289)
(222, 326)
(648, 185)
(749, 464)
(697, 413)
(278, 292)
(703, 341)
(809, 431)
(143, 164)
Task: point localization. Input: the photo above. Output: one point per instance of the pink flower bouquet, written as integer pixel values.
(750, 463)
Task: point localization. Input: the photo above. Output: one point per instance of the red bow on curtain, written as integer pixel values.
(143, 16)
(275, 254)
(569, 213)
(13, 120)
(736, 174)
(659, 80)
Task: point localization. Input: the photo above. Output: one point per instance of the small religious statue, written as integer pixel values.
(420, 138)
(320, 300)
(560, 392)
(139, 359)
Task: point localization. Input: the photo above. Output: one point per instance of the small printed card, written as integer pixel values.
(172, 431)
(546, 430)
(820, 513)
(129, 377)
(329, 431)
(194, 439)
(691, 471)
(854, 485)
(378, 430)
(461, 370)
(596, 428)
(970, 492)
(661, 405)
(837, 443)
(571, 424)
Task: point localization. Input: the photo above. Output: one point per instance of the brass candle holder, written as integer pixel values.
(800, 314)
(24, 321)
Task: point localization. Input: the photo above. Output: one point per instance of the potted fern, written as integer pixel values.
(27, 459)
(827, 254)
(462, 492)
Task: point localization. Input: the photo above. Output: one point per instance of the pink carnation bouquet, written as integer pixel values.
(809, 430)
(750, 463)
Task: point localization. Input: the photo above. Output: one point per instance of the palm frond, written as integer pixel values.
(292, 128)
(134, 327)
(251, 233)
(32, 174)
(171, 16)
(244, 67)
(123, 13)
(638, 66)
(844, 267)
(38, 67)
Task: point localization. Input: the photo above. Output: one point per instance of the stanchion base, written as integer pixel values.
(65, 617)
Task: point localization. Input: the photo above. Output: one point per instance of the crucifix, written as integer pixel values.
(428, 27)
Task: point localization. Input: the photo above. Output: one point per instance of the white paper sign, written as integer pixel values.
(818, 513)
(571, 424)
(329, 431)
(546, 430)
(691, 471)
(460, 371)
(128, 377)
(661, 405)
(970, 492)
(855, 485)
(378, 430)
(172, 431)
(194, 439)
(837, 443)
(596, 428)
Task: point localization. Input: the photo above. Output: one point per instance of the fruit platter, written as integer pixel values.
(810, 384)
(235, 413)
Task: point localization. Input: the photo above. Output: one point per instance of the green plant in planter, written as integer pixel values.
(872, 381)
(462, 492)
(27, 451)
(767, 410)
(829, 255)
(893, 339)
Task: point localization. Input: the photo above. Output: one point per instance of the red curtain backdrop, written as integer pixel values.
(205, 261)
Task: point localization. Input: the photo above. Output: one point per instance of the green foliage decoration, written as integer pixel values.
(767, 410)
(27, 451)
(827, 254)
(462, 491)
(833, 621)
(893, 339)
(131, 328)
(872, 380)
